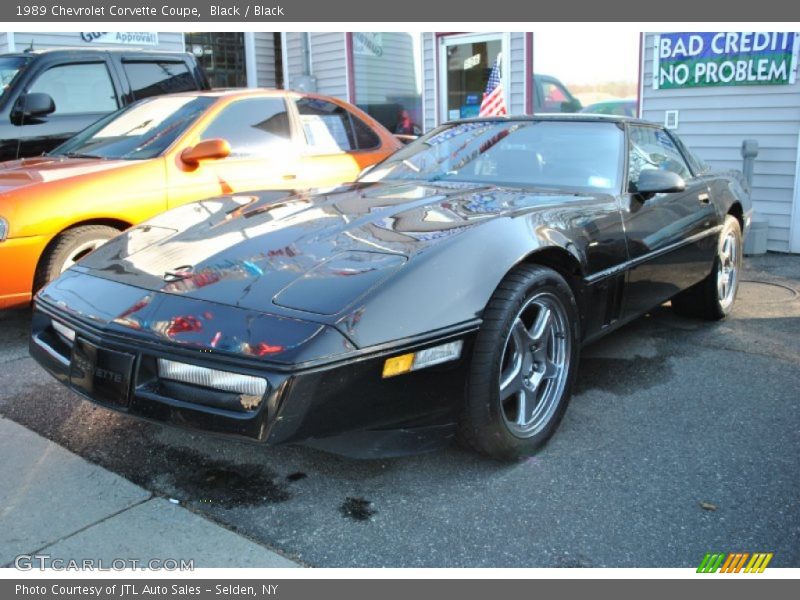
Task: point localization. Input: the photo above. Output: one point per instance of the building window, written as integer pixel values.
(221, 54)
(387, 78)
(594, 72)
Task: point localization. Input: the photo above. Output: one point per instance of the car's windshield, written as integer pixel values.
(578, 155)
(10, 67)
(142, 130)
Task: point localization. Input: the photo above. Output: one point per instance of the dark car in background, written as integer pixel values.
(552, 96)
(449, 291)
(622, 107)
(48, 96)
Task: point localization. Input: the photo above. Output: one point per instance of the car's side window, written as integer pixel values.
(330, 129)
(148, 78)
(653, 148)
(699, 166)
(254, 127)
(78, 88)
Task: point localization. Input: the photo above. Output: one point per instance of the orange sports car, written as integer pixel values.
(165, 151)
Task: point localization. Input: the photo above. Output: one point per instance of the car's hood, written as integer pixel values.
(307, 255)
(16, 174)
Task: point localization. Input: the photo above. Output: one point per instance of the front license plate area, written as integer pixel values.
(103, 375)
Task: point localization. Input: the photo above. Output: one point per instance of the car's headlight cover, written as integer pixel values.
(64, 331)
(226, 381)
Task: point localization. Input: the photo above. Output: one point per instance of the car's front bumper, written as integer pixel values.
(345, 406)
(18, 260)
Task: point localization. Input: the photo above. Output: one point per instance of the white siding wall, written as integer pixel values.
(294, 58)
(3, 42)
(265, 58)
(329, 63)
(714, 120)
(516, 74)
(429, 96)
(170, 41)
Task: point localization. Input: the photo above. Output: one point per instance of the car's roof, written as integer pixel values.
(565, 117)
(244, 92)
(82, 50)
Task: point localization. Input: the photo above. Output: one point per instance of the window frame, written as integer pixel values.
(68, 63)
(629, 146)
(124, 61)
(309, 149)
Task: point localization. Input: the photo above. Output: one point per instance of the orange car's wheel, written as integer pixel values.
(68, 248)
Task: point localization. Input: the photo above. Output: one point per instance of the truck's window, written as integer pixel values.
(78, 88)
(554, 97)
(148, 78)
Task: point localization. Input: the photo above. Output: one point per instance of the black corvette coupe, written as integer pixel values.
(447, 293)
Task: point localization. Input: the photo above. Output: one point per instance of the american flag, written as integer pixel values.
(493, 103)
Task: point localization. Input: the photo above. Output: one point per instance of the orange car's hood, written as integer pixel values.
(16, 174)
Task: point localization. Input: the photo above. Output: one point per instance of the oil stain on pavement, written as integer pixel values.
(358, 509)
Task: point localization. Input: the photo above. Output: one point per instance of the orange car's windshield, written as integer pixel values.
(142, 130)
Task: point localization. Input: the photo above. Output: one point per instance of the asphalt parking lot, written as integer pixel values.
(683, 438)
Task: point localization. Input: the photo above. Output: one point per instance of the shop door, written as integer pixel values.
(465, 63)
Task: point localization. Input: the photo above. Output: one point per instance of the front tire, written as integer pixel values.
(523, 365)
(713, 298)
(67, 248)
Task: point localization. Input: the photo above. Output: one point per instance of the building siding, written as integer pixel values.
(4, 42)
(169, 41)
(516, 73)
(264, 43)
(713, 121)
(429, 96)
(294, 58)
(329, 63)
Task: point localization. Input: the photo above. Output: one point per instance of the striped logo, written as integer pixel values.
(734, 562)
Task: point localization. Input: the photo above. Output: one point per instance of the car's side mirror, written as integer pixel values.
(33, 105)
(212, 149)
(656, 181)
(571, 106)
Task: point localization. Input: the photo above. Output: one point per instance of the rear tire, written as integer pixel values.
(67, 248)
(713, 298)
(523, 365)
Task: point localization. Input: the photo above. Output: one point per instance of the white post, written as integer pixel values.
(794, 225)
(250, 59)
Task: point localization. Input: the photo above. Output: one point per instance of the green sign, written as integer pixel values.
(683, 60)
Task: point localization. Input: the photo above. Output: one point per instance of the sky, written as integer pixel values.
(588, 57)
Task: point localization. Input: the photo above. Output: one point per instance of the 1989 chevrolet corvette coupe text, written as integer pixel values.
(448, 292)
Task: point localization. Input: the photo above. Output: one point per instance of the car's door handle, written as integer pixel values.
(704, 198)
